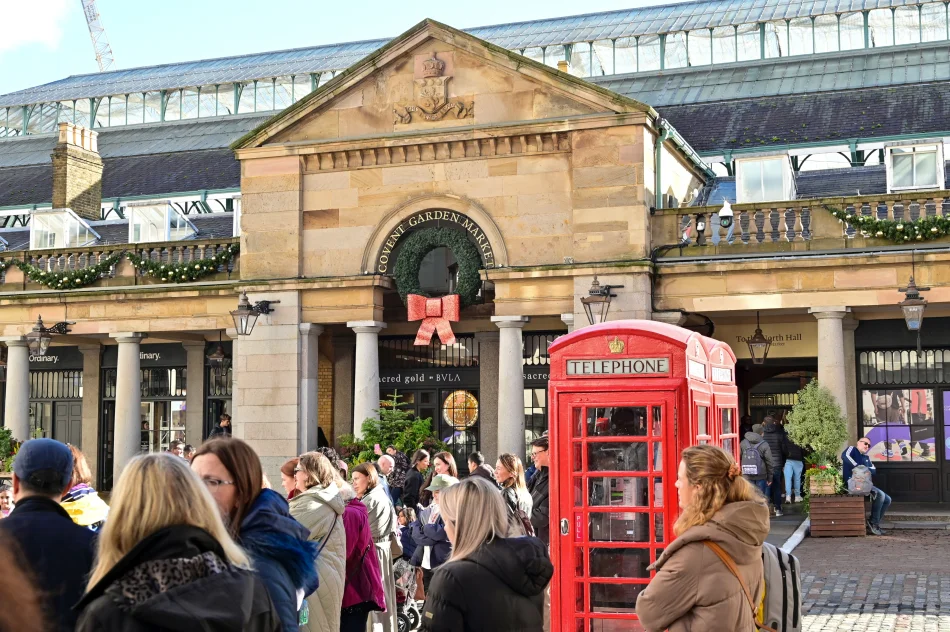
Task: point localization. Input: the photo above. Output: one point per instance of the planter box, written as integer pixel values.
(837, 516)
(821, 488)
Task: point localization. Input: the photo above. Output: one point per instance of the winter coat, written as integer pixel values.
(56, 551)
(484, 471)
(412, 488)
(775, 435)
(397, 478)
(383, 523)
(409, 545)
(432, 535)
(851, 458)
(84, 506)
(540, 510)
(499, 587)
(320, 510)
(282, 556)
(520, 500)
(363, 583)
(178, 578)
(791, 450)
(693, 590)
(754, 439)
(220, 432)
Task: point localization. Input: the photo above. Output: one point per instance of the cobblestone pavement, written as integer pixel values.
(899, 582)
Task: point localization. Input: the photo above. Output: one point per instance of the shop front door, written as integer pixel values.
(67, 423)
(615, 487)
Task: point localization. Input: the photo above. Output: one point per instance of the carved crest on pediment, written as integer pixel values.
(432, 96)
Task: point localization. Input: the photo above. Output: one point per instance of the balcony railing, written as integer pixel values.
(790, 226)
(122, 273)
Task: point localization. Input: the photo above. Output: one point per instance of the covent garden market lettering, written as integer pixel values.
(426, 217)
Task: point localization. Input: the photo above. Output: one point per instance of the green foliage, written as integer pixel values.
(816, 422)
(925, 228)
(8, 449)
(395, 426)
(420, 243)
(71, 279)
(185, 272)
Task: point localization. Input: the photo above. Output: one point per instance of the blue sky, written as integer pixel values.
(46, 40)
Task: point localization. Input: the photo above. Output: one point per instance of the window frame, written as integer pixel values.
(36, 213)
(131, 209)
(788, 181)
(937, 144)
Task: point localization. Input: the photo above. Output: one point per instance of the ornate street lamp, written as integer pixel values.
(245, 316)
(758, 344)
(218, 359)
(41, 336)
(913, 307)
(598, 302)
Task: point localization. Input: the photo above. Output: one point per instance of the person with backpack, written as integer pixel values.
(853, 457)
(709, 578)
(774, 434)
(794, 456)
(757, 462)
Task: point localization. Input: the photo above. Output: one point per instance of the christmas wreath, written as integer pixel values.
(420, 243)
(899, 231)
(186, 271)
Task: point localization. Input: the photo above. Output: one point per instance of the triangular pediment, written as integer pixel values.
(435, 77)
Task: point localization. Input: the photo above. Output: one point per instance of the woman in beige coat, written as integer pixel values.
(319, 507)
(693, 590)
(382, 524)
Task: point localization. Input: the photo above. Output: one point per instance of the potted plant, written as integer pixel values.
(816, 423)
(396, 426)
(8, 450)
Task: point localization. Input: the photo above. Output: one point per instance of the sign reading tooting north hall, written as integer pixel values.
(632, 366)
(384, 259)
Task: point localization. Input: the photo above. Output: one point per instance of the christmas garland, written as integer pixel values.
(420, 243)
(70, 279)
(185, 272)
(897, 230)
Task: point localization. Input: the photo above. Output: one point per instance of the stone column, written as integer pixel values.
(510, 384)
(343, 349)
(309, 394)
(128, 401)
(832, 369)
(366, 378)
(488, 394)
(17, 403)
(91, 405)
(851, 380)
(195, 395)
(568, 319)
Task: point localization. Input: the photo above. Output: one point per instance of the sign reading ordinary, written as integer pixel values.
(632, 366)
(384, 259)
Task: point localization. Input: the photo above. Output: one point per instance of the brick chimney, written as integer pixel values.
(77, 172)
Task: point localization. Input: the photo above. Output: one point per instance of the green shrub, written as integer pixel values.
(396, 426)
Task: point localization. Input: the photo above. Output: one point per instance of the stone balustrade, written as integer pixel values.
(788, 226)
(122, 273)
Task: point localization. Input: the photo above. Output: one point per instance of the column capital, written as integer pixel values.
(510, 322)
(310, 329)
(231, 333)
(124, 337)
(90, 348)
(821, 313)
(568, 319)
(194, 344)
(366, 326)
(850, 323)
(15, 341)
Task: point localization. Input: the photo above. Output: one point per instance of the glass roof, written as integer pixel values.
(516, 36)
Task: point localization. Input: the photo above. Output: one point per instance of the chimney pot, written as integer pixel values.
(563, 66)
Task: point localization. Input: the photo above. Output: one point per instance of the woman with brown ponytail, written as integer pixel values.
(694, 590)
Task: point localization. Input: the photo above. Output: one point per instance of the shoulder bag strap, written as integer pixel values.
(731, 565)
(329, 533)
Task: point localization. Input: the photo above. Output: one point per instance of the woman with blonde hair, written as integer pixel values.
(319, 507)
(165, 559)
(722, 514)
(81, 502)
(383, 527)
(509, 472)
(491, 582)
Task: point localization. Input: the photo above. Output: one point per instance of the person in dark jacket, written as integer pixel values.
(774, 434)
(478, 467)
(433, 545)
(540, 511)
(794, 456)
(413, 486)
(406, 517)
(754, 439)
(166, 562)
(55, 551)
(260, 521)
(491, 582)
(851, 458)
(223, 429)
(397, 479)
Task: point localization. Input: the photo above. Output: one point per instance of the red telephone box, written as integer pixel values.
(626, 398)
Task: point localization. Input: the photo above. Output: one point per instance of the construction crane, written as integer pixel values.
(100, 43)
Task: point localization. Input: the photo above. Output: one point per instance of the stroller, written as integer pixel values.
(407, 612)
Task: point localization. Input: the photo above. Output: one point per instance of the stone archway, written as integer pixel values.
(390, 229)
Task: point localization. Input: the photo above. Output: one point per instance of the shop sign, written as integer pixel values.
(57, 358)
(423, 219)
(422, 378)
(631, 366)
(538, 373)
(150, 356)
(789, 340)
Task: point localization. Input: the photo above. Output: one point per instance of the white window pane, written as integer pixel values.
(649, 52)
(772, 188)
(265, 95)
(153, 107)
(749, 180)
(881, 25)
(580, 59)
(907, 25)
(247, 98)
(625, 51)
(173, 105)
(724, 44)
(933, 18)
(301, 87)
(903, 170)
(826, 34)
(136, 109)
(189, 103)
(700, 47)
(926, 169)
(852, 31)
(552, 55)
(225, 103)
(776, 39)
(747, 42)
(206, 102)
(534, 53)
(675, 50)
(800, 36)
(603, 61)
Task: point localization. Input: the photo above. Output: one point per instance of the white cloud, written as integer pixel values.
(38, 22)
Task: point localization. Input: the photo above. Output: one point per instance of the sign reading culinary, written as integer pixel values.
(478, 236)
(631, 366)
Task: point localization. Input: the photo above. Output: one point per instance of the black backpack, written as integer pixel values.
(752, 462)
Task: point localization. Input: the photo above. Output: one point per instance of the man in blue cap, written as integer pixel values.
(58, 553)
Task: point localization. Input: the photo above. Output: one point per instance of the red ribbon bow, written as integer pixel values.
(435, 314)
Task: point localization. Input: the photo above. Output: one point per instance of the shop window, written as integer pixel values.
(915, 167)
(59, 228)
(900, 424)
(151, 222)
(764, 179)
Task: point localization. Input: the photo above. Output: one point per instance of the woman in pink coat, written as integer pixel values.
(363, 588)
